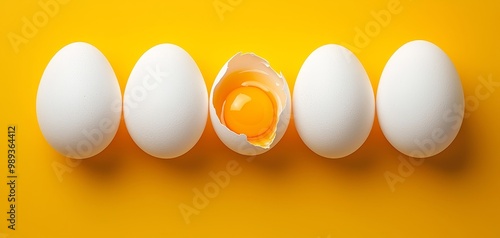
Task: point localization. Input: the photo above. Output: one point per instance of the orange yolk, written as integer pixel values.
(249, 110)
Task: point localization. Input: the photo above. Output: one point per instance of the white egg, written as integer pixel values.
(333, 102)
(78, 102)
(165, 102)
(420, 101)
(266, 115)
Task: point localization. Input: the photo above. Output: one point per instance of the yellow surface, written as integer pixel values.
(287, 192)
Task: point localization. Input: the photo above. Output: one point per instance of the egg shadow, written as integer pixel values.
(360, 163)
(274, 164)
(191, 166)
(283, 158)
(107, 165)
(291, 155)
(456, 160)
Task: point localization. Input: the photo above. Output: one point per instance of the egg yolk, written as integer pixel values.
(249, 110)
(247, 103)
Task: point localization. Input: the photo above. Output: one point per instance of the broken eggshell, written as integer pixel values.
(278, 87)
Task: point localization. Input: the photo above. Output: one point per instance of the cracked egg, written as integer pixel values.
(249, 105)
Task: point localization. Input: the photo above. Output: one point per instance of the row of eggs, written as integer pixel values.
(419, 102)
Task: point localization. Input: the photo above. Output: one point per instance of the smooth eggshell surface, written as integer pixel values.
(165, 102)
(79, 101)
(420, 101)
(333, 102)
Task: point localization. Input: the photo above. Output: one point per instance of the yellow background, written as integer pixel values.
(287, 192)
